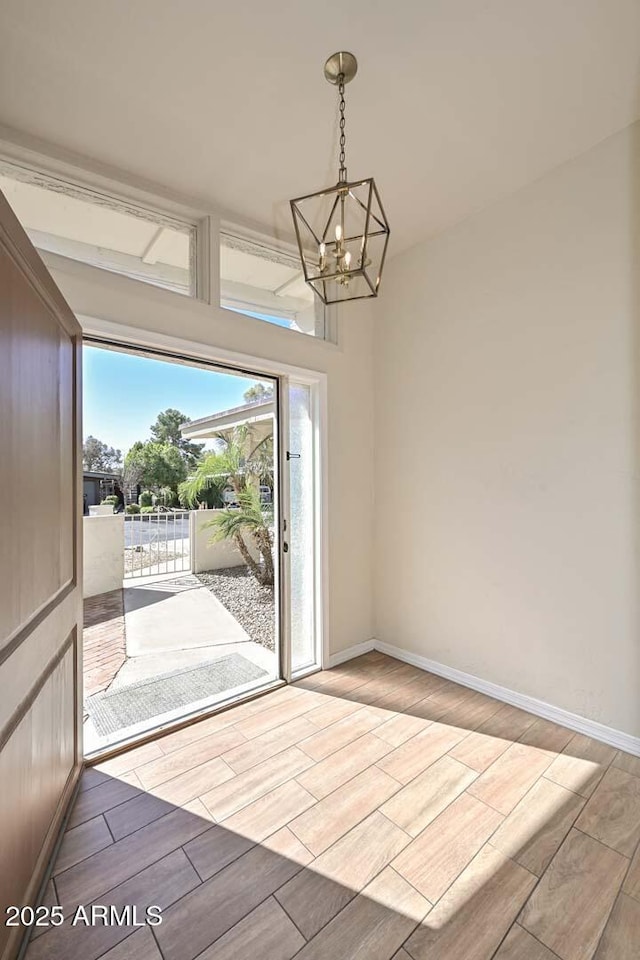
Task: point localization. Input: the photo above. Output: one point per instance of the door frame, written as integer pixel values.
(106, 333)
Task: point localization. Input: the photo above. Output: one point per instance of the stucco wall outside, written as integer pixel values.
(206, 555)
(103, 553)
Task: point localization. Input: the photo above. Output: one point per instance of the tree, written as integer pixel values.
(242, 457)
(249, 521)
(166, 429)
(96, 455)
(258, 393)
(207, 484)
(154, 465)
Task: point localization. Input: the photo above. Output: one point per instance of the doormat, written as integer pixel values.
(114, 710)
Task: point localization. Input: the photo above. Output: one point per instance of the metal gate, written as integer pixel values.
(156, 543)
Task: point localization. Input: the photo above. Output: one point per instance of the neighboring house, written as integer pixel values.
(260, 416)
(96, 485)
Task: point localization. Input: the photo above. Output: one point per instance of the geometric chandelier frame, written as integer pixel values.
(342, 231)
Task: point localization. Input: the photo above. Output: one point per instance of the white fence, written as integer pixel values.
(141, 545)
(156, 543)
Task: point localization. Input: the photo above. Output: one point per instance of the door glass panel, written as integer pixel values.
(302, 528)
(179, 541)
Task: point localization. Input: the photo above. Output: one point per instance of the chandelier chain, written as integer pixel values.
(342, 174)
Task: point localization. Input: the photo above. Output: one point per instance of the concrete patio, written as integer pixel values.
(157, 627)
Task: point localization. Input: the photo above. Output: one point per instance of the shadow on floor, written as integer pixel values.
(284, 873)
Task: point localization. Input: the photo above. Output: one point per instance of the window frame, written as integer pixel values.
(153, 210)
(45, 160)
(286, 253)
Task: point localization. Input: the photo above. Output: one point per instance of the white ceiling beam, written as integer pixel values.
(149, 250)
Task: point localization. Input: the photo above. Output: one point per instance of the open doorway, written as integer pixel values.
(181, 518)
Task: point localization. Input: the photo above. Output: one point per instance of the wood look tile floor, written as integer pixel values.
(370, 812)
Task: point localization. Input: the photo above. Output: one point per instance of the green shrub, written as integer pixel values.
(166, 497)
(112, 499)
(132, 508)
(147, 509)
(146, 498)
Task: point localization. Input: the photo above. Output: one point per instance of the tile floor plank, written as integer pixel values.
(416, 805)
(117, 863)
(625, 761)
(267, 933)
(475, 913)
(546, 735)
(339, 809)
(632, 880)
(192, 755)
(508, 723)
(258, 820)
(208, 912)
(95, 801)
(520, 945)
(268, 744)
(374, 925)
(161, 884)
(129, 760)
(400, 728)
(534, 830)
(479, 751)
(128, 817)
(418, 753)
(140, 945)
(621, 937)
(444, 849)
(194, 782)
(581, 764)
(612, 815)
(242, 790)
(272, 717)
(326, 776)
(334, 816)
(571, 904)
(81, 842)
(507, 780)
(330, 712)
(338, 735)
(315, 896)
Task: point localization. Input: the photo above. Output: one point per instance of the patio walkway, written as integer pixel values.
(103, 640)
(176, 622)
(163, 630)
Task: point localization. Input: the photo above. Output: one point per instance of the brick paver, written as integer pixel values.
(103, 640)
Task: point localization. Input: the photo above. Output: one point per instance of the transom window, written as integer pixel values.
(266, 281)
(70, 220)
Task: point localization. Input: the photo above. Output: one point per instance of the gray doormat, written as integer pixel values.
(114, 710)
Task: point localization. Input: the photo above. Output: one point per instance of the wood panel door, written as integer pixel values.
(40, 567)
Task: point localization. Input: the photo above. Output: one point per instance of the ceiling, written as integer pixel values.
(456, 103)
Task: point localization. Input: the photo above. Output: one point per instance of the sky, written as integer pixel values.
(124, 393)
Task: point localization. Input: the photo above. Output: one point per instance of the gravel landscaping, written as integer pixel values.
(252, 605)
(141, 558)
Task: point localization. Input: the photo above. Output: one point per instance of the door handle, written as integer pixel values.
(285, 547)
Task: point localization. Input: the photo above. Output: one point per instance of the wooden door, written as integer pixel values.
(40, 567)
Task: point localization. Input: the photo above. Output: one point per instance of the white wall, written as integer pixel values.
(151, 316)
(507, 457)
(103, 559)
(206, 555)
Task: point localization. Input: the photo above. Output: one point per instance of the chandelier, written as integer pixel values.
(342, 231)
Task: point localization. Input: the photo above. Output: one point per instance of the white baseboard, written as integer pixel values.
(591, 728)
(357, 650)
